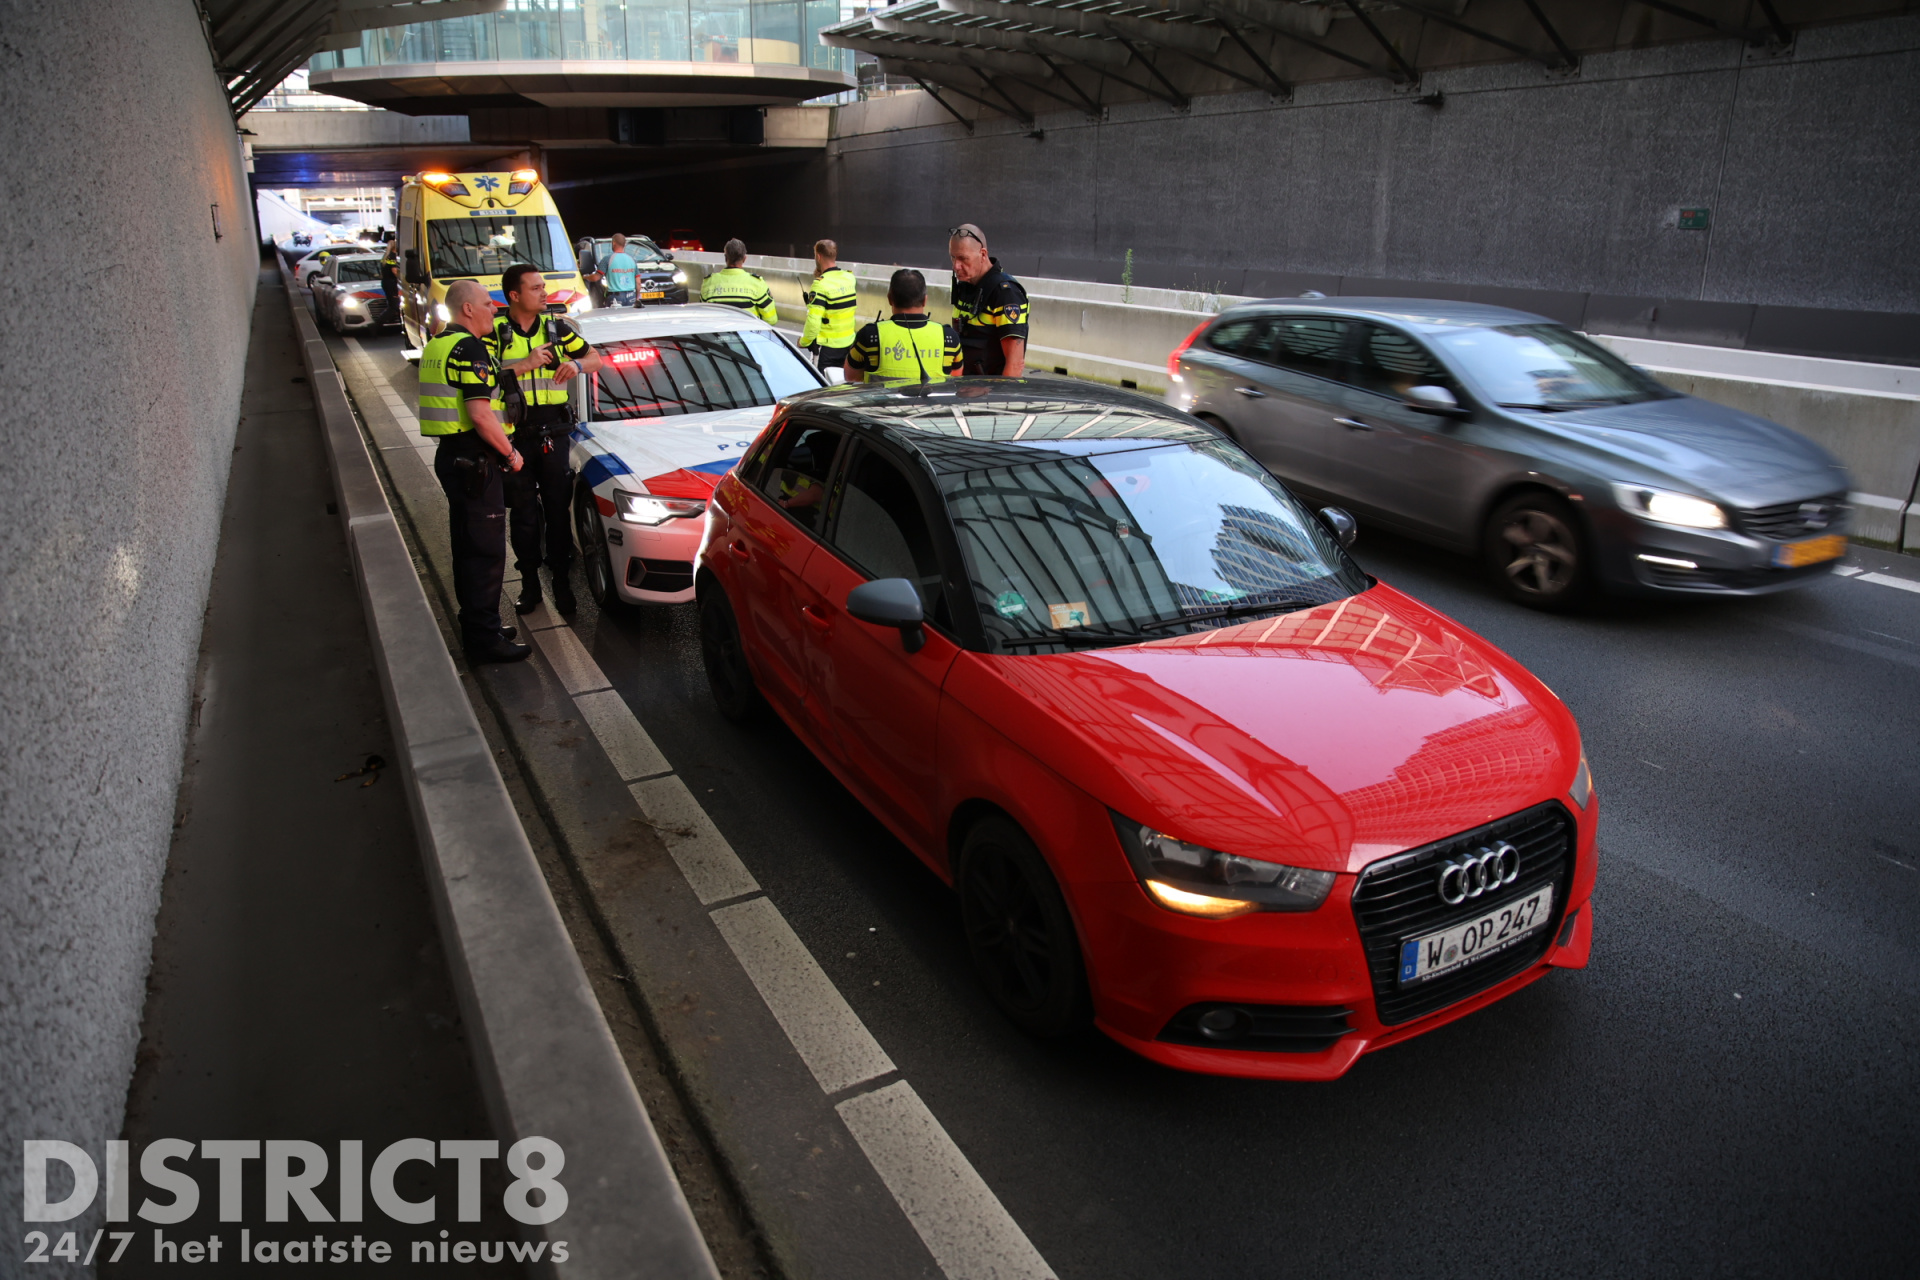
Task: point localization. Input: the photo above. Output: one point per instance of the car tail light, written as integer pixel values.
(1173, 357)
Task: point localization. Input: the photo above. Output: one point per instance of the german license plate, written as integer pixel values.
(653, 293)
(1791, 555)
(1475, 940)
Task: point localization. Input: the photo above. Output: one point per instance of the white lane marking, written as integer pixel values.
(964, 1225)
(827, 1033)
(1887, 580)
(576, 668)
(977, 1236)
(621, 737)
(699, 850)
(1846, 570)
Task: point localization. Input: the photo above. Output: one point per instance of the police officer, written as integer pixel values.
(460, 404)
(989, 306)
(830, 311)
(540, 493)
(738, 287)
(390, 280)
(909, 347)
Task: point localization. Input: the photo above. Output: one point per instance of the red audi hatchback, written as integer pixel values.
(1195, 776)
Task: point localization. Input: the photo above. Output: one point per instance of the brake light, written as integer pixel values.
(1173, 357)
(639, 355)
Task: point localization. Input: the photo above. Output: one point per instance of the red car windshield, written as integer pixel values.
(1083, 548)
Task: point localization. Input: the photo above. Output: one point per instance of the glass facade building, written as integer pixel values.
(764, 32)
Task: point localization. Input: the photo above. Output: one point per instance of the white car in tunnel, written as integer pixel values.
(682, 394)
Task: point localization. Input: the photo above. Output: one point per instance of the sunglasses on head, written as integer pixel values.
(964, 233)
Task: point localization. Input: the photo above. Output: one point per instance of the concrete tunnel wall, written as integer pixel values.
(121, 357)
(1523, 180)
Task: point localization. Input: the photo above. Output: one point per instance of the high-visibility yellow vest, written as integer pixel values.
(509, 344)
(443, 406)
(831, 315)
(739, 287)
(918, 354)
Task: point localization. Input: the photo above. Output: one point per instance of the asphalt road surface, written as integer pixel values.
(1729, 1088)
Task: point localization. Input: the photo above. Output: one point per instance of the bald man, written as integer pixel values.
(460, 407)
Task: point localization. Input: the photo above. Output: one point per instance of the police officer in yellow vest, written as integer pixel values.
(540, 494)
(909, 347)
(738, 287)
(831, 318)
(460, 405)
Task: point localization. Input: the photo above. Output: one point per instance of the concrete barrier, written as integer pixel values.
(1868, 415)
(547, 1060)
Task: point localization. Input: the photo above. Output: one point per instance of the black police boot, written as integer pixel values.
(495, 647)
(563, 594)
(529, 593)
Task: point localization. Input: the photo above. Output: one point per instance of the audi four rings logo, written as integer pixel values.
(1477, 873)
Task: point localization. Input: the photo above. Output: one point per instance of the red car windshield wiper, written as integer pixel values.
(1235, 611)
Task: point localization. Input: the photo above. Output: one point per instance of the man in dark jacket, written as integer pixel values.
(989, 307)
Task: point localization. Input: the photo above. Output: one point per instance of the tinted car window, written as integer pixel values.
(879, 525)
(698, 373)
(357, 270)
(1391, 363)
(1089, 548)
(1244, 337)
(1311, 344)
(796, 479)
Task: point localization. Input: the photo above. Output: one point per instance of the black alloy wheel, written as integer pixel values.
(1019, 933)
(728, 675)
(595, 559)
(1536, 551)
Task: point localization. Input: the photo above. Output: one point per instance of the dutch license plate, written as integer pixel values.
(654, 293)
(1464, 944)
(1791, 555)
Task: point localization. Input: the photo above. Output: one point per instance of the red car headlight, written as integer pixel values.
(1197, 881)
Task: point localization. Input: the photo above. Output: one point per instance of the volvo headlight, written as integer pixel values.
(441, 313)
(1197, 881)
(580, 305)
(1662, 506)
(679, 277)
(644, 508)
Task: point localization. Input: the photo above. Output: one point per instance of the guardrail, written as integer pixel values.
(1868, 415)
(547, 1060)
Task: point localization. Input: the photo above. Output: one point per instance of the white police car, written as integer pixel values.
(683, 391)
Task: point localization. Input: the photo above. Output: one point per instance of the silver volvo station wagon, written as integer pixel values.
(1509, 437)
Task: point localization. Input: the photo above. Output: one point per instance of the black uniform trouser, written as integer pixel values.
(470, 475)
(540, 496)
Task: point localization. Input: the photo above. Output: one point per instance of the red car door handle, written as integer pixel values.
(1251, 393)
(739, 550)
(1354, 424)
(817, 619)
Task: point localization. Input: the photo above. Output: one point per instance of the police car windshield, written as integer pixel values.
(488, 246)
(697, 373)
(1070, 549)
(360, 269)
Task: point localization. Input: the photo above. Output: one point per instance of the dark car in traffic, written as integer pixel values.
(1515, 439)
(656, 281)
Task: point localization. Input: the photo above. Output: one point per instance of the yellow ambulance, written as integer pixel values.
(473, 226)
